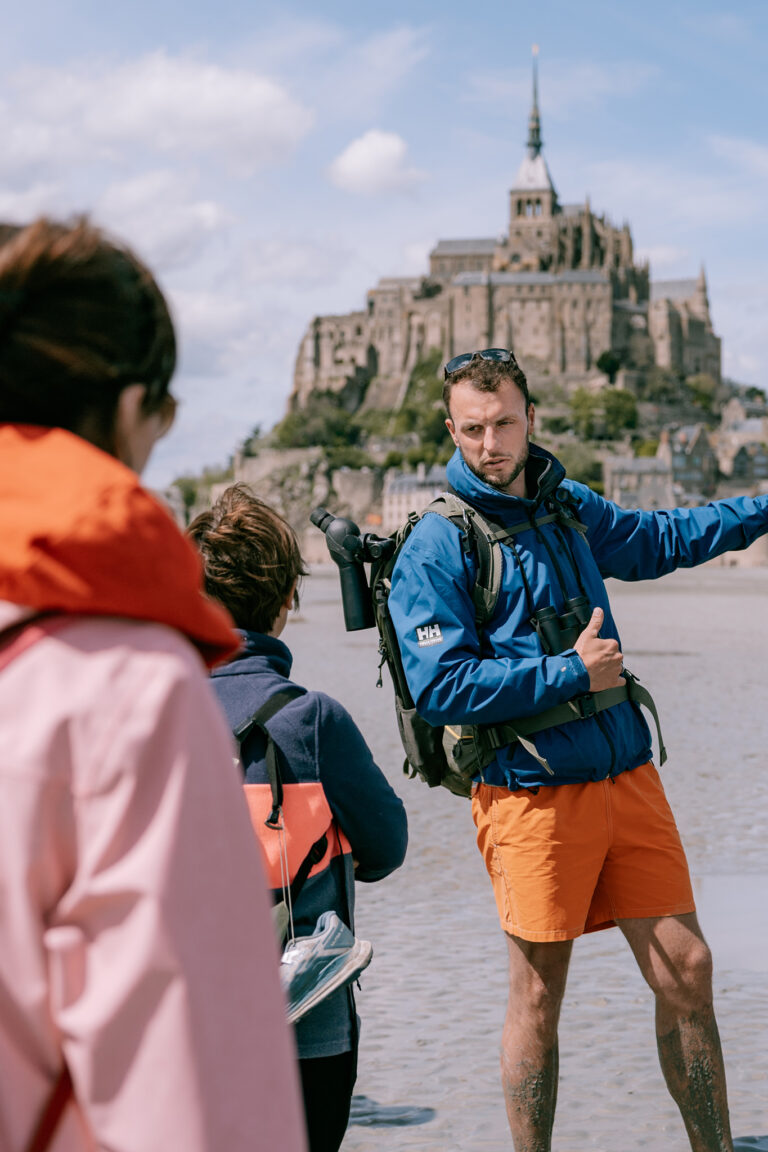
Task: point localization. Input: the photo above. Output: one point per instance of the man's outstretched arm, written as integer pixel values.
(641, 545)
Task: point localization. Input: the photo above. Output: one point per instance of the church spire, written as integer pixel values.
(534, 122)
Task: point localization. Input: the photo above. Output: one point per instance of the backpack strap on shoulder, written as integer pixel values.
(565, 505)
(260, 719)
(480, 538)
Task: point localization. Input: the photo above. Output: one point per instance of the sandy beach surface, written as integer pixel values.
(432, 1001)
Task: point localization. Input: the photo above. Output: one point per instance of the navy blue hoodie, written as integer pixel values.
(322, 749)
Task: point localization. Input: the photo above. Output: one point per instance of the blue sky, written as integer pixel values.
(272, 161)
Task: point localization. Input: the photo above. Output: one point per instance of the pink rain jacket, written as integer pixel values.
(135, 934)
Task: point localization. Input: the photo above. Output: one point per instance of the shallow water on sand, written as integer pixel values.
(432, 1001)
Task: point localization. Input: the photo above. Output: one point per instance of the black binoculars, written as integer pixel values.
(350, 550)
(560, 632)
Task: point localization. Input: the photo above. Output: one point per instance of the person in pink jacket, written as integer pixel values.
(140, 1006)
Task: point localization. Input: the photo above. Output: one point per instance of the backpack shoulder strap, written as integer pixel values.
(479, 537)
(259, 719)
(565, 506)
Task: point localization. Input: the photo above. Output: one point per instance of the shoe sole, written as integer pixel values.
(355, 962)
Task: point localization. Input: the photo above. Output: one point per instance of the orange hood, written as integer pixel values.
(78, 533)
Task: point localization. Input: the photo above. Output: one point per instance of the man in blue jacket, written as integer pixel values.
(572, 821)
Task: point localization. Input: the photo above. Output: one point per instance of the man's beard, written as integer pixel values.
(502, 480)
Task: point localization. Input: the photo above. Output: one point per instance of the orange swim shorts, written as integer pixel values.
(574, 858)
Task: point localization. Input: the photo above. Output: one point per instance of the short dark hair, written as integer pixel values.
(80, 319)
(487, 376)
(251, 557)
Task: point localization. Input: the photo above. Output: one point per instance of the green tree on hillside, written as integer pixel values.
(322, 422)
(702, 390)
(605, 415)
(584, 409)
(620, 410)
(609, 363)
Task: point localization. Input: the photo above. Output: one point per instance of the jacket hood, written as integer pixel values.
(81, 535)
(543, 474)
(257, 652)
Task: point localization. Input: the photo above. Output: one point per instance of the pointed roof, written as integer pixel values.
(534, 120)
(533, 174)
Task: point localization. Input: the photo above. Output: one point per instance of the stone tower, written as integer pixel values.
(532, 199)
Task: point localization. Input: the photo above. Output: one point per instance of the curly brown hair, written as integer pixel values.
(251, 558)
(487, 376)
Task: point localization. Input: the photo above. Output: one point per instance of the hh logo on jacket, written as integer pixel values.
(428, 635)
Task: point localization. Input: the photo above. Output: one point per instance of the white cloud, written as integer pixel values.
(746, 155)
(739, 309)
(210, 318)
(374, 163)
(719, 26)
(177, 106)
(155, 211)
(663, 257)
(33, 200)
(661, 195)
(291, 261)
(344, 75)
(416, 257)
(569, 85)
(377, 68)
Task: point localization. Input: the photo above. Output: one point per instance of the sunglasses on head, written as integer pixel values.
(498, 355)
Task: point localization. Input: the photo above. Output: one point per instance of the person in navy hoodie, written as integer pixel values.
(332, 785)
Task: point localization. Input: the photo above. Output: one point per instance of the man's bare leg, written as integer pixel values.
(677, 964)
(529, 1057)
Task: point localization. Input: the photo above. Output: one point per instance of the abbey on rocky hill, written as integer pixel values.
(561, 287)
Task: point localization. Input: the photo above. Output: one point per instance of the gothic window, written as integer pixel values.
(528, 208)
(537, 208)
(519, 207)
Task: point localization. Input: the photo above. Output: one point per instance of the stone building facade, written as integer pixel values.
(742, 440)
(687, 451)
(560, 287)
(406, 492)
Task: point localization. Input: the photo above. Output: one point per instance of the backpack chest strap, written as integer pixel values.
(581, 708)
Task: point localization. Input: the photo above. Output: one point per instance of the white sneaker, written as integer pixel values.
(312, 967)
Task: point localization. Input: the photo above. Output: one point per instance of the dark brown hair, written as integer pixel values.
(80, 318)
(487, 376)
(250, 556)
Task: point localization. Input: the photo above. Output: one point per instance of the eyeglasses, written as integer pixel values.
(495, 355)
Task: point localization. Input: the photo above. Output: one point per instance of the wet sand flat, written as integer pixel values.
(432, 1001)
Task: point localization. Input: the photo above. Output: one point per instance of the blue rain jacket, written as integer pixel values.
(457, 677)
